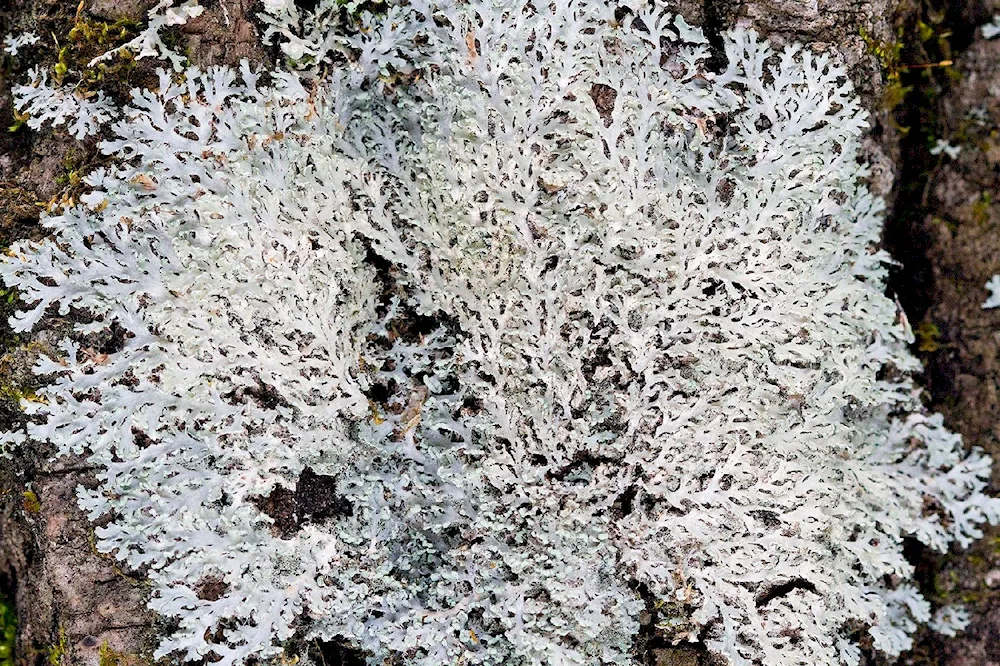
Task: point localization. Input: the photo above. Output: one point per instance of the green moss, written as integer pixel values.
(950, 224)
(88, 39)
(908, 62)
(673, 620)
(102, 33)
(970, 598)
(8, 632)
(20, 119)
(75, 41)
(31, 502)
(887, 53)
(924, 30)
(108, 656)
(977, 563)
(928, 336)
(117, 75)
(888, 56)
(56, 652)
(981, 209)
(61, 68)
(17, 381)
(18, 209)
(895, 94)
(72, 166)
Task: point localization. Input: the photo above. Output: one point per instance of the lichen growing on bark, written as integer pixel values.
(546, 345)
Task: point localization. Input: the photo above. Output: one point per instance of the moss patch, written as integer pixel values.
(108, 656)
(56, 652)
(19, 212)
(30, 501)
(8, 632)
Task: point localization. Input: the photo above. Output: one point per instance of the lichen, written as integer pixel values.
(547, 346)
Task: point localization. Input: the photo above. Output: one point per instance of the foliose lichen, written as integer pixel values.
(548, 347)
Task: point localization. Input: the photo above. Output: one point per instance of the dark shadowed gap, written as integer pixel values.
(714, 27)
(904, 237)
(307, 5)
(314, 500)
(334, 653)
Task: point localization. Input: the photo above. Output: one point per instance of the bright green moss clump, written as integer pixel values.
(8, 632)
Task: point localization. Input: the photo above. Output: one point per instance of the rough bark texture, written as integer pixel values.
(71, 600)
(952, 249)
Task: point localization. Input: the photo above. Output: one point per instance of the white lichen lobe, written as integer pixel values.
(563, 314)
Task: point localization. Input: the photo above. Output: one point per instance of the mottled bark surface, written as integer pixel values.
(953, 249)
(72, 600)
